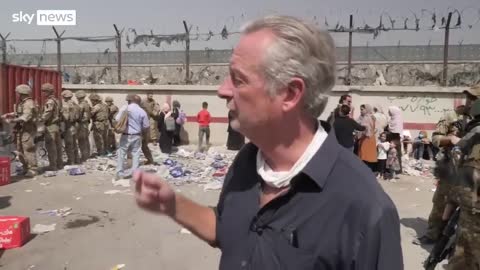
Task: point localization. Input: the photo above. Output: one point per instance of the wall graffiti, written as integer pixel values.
(426, 105)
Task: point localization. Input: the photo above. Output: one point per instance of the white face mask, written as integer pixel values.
(282, 179)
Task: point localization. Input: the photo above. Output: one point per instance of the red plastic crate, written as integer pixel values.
(5, 171)
(14, 231)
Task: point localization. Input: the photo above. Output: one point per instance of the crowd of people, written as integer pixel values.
(66, 125)
(374, 136)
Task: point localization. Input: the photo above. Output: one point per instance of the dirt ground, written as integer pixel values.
(104, 230)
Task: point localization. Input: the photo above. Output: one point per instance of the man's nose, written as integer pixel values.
(226, 89)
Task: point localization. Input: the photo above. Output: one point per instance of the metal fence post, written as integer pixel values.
(350, 41)
(445, 50)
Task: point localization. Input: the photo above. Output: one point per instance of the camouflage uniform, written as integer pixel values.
(51, 118)
(84, 122)
(439, 200)
(467, 250)
(71, 116)
(112, 112)
(99, 123)
(26, 129)
(151, 108)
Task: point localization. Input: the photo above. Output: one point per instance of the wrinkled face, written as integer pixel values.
(245, 90)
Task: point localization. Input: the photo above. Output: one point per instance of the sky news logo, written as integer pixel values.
(47, 17)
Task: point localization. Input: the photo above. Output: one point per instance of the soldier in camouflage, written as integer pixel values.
(112, 112)
(99, 123)
(84, 122)
(25, 119)
(467, 250)
(151, 107)
(50, 119)
(71, 117)
(441, 139)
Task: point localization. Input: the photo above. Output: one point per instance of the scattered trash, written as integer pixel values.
(28, 190)
(200, 156)
(170, 162)
(215, 185)
(63, 212)
(149, 168)
(40, 228)
(45, 184)
(76, 171)
(78, 198)
(417, 189)
(118, 267)
(176, 172)
(114, 191)
(50, 174)
(185, 231)
(121, 183)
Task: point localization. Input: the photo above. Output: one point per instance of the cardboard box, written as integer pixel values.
(14, 231)
(4, 171)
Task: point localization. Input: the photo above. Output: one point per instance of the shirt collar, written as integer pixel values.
(321, 164)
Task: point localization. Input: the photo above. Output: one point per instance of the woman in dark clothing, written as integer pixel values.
(235, 139)
(344, 127)
(166, 137)
(178, 127)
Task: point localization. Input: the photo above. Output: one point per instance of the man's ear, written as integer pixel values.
(293, 93)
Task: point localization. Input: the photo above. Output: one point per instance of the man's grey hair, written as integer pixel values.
(300, 50)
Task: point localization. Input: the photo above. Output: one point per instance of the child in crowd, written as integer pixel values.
(203, 120)
(382, 149)
(393, 164)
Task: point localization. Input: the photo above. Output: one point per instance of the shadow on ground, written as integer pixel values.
(5, 201)
(420, 226)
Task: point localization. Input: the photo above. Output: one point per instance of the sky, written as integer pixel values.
(96, 18)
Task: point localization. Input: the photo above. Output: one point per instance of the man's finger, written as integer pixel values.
(137, 178)
(151, 180)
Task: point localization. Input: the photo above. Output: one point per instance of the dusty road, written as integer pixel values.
(105, 230)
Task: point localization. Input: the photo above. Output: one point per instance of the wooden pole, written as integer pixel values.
(119, 54)
(187, 53)
(445, 50)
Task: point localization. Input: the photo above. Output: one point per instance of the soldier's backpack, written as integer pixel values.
(121, 126)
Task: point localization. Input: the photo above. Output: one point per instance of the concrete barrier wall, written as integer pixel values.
(422, 106)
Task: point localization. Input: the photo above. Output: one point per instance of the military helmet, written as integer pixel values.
(94, 97)
(473, 91)
(47, 87)
(108, 99)
(67, 94)
(23, 89)
(475, 108)
(80, 94)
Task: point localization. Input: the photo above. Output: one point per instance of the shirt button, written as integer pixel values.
(243, 263)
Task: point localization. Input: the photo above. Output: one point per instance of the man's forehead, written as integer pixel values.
(252, 46)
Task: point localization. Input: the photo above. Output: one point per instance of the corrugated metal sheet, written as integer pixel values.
(12, 75)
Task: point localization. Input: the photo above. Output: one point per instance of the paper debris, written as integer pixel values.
(118, 267)
(40, 228)
(121, 183)
(28, 190)
(115, 191)
(185, 231)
